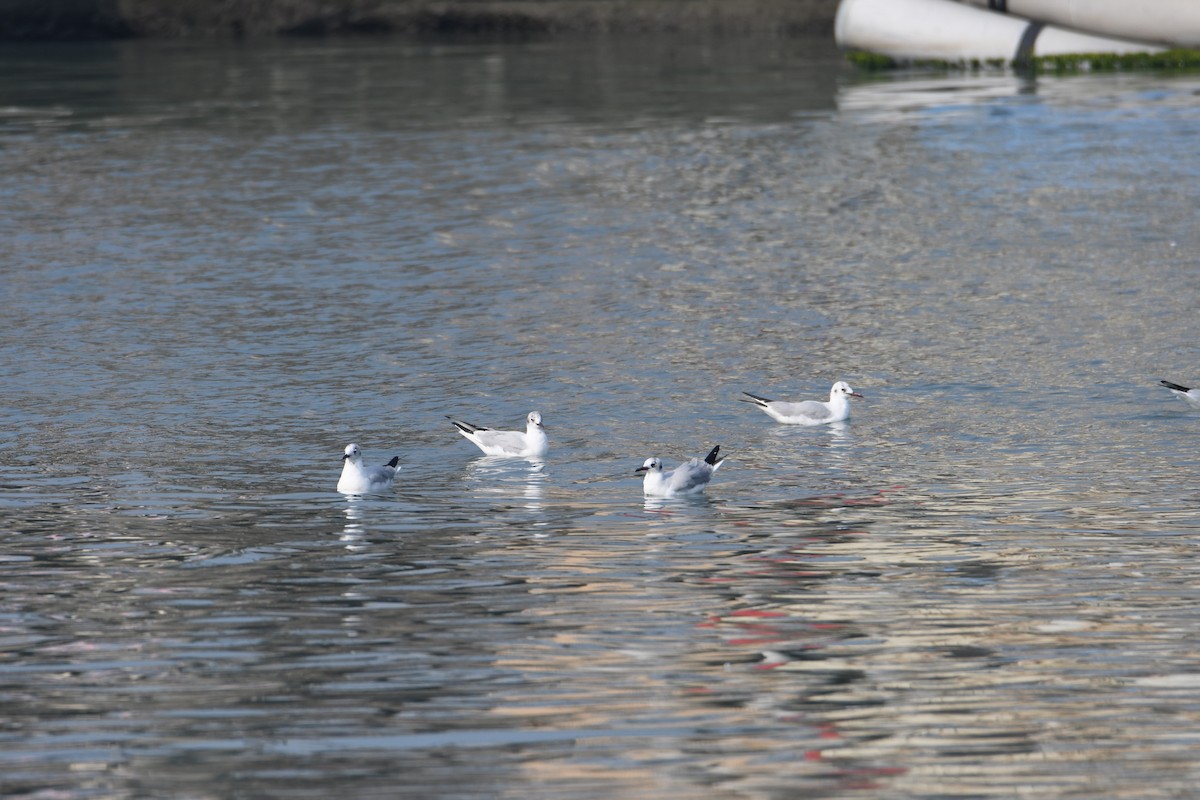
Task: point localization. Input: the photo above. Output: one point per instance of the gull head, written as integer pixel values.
(534, 420)
(841, 387)
(650, 465)
(353, 453)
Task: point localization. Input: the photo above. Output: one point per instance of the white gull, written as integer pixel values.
(357, 479)
(530, 444)
(808, 412)
(690, 477)
(1191, 395)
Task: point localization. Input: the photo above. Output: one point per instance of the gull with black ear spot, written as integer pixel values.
(689, 478)
(357, 479)
(808, 412)
(532, 443)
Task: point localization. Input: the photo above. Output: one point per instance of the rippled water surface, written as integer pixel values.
(222, 264)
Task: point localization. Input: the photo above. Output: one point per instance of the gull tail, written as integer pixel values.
(1175, 387)
(465, 427)
(761, 402)
(712, 460)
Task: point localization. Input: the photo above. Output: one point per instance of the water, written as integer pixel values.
(223, 264)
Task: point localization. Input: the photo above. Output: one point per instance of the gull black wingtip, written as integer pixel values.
(1174, 386)
(754, 399)
(465, 427)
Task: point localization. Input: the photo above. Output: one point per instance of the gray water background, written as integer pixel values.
(221, 264)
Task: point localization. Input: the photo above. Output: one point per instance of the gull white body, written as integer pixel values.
(357, 479)
(532, 443)
(808, 412)
(689, 478)
(1191, 395)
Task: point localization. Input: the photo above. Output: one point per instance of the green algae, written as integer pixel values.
(871, 62)
(874, 62)
(1174, 59)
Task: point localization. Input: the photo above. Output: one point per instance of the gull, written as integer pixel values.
(690, 477)
(357, 479)
(808, 412)
(1191, 395)
(530, 444)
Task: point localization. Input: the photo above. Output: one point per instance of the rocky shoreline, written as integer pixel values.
(176, 19)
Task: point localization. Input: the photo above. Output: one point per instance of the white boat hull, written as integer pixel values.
(1169, 22)
(942, 30)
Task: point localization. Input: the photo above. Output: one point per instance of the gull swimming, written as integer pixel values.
(690, 477)
(1191, 395)
(530, 444)
(357, 479)
(808, 412)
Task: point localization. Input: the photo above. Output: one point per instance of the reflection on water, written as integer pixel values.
(222, 262)
(668, 505)
(355, 529)
(514, 479)
(894, 98)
